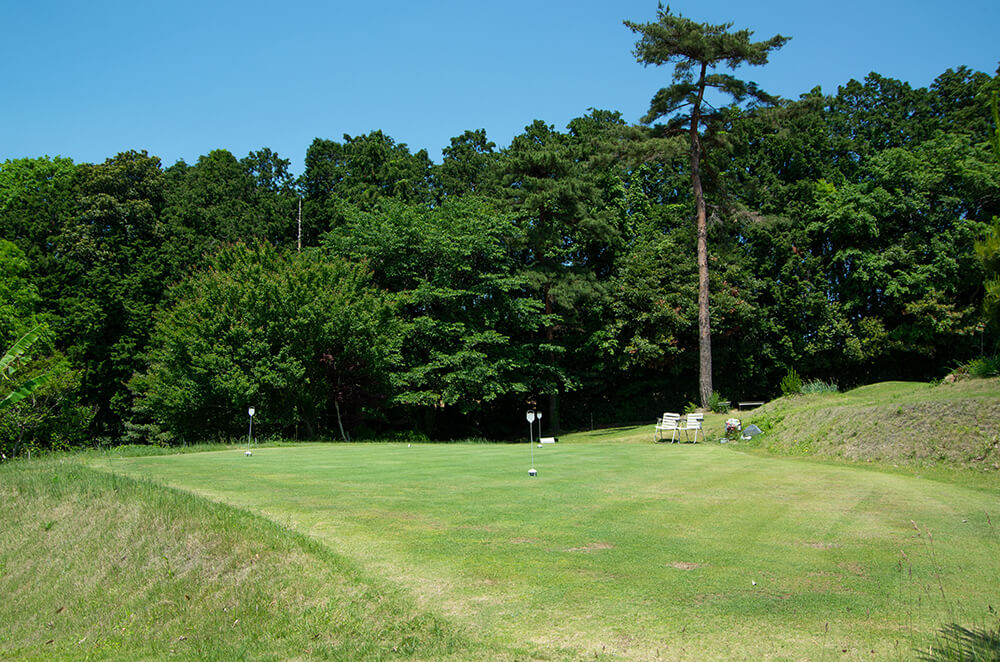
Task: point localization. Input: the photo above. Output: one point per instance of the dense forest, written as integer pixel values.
(381, 292)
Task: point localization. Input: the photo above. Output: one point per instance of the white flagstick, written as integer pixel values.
(531, 441)
(250, 411)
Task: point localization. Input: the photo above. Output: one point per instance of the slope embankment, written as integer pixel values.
(98, 566)
(954, 425)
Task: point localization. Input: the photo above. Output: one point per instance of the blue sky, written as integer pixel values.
(87, 80)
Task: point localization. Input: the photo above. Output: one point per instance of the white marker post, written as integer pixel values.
(250, 411)
(531, 441)
(538, 417)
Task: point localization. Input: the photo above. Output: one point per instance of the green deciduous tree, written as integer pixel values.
(461, 297)
(39, 401)
(110, 252)
(988, 247)
(860, 211)
(37, 198)
(305, 341)
(10, 362)
(46, 411)
(697, 49)
(994, 133)
(221, 200)
(471, 166)
(359, 172)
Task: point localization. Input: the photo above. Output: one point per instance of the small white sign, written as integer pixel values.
(251, 411)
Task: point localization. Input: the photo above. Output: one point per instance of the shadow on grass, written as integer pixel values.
(957, 643)
(614, 432)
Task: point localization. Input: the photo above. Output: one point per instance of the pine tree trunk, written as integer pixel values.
(704, 320)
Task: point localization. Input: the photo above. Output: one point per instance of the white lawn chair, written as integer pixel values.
(692, 422)
(669, 423)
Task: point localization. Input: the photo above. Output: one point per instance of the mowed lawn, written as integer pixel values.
(634, 550)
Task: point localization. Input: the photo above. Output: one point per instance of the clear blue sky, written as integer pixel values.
(180, 78)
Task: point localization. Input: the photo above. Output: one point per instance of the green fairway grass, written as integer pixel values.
(633, 551)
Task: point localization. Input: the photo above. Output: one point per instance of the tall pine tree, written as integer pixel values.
(697, 49)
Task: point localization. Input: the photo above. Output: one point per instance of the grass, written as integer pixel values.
(620, 549)
(904, 423)
(96, 566)
(630, 550)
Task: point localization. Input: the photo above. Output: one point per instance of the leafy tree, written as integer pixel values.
(10, 362)
(40, 407)
(359, 172)
(20, 328)
(110, 251)
(654, 300)
(994, 133)
(697, 49)
(460, 297)
(568, 235)
(471, 166)
(19, 299)
(988, 247)
(37, 198)
(221, 200)
(306, 341)
(44, 411)
(881, 113)
(858, 215)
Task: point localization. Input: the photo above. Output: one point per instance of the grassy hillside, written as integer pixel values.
(95, 566)
(955, 425)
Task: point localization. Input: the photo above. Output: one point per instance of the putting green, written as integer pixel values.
(634, 550)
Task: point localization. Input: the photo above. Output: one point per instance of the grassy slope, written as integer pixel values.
(95, 566)
(955, 425)
(634, 550)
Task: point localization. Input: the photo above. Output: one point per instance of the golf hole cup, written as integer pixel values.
(532, 472)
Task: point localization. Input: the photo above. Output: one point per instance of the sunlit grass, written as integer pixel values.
(95, 566)
(632, 550)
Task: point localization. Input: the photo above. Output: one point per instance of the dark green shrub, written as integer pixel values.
(717, 403)
(791, 383)
(985, 366)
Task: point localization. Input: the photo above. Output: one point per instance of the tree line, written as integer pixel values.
(382, 292)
